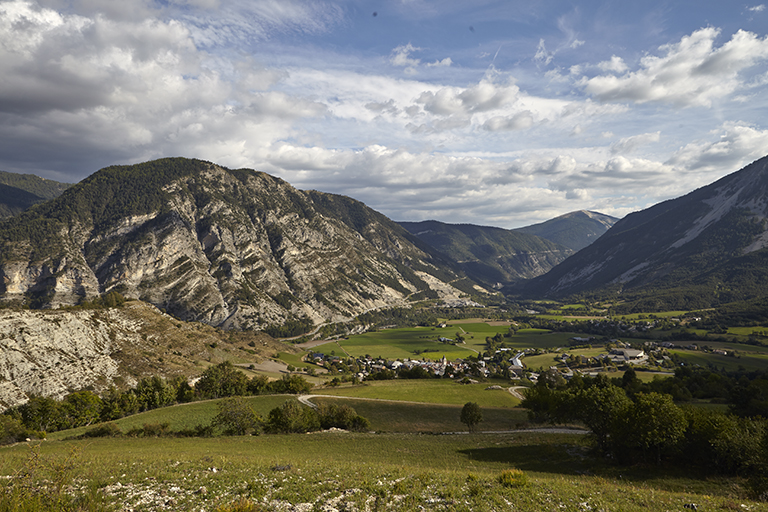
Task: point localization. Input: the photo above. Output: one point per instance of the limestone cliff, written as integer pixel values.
(54, 352)
(233, 248)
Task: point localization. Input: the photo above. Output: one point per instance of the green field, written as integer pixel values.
(651, 316)
(433, 391)
(754, 361)
(411, 343)
(407, 417)
(405, 343)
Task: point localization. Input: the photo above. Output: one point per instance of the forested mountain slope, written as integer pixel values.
(574, 230)
(20, 191)
(493, 256)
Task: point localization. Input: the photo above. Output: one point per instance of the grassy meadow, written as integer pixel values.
(422, 342)
(344, 471)
(434, 391)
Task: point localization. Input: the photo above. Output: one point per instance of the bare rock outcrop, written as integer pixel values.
(233, 248)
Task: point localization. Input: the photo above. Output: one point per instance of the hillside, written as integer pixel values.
(20, 191)
(51, 353)
(705, 248)
(234, 248)
(574, 230)
(493, 256)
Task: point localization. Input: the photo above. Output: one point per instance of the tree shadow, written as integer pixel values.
(567, 459)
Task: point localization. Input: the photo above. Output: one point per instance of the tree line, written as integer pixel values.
(236, 417)
(631, 426)
(83, 408)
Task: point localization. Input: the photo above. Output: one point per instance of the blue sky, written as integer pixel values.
(501, 113)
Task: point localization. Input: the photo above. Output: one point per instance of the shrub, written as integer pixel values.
(104, 430)
(512, 478)
(12, 430)
(151, 430)
(236, 417)
(292, 417)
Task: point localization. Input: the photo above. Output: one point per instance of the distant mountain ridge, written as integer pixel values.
(574, 230)
(20, 191)
(493, 256)
(705, 248)
(497, 256)
(235, 248)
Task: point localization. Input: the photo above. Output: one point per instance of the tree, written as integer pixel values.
(154, 392)
(651, 424)
(293, 384)
(40, 413)
(222, 380)
(540, 402)
(599, 407)
(341, 416)
(258, 385)
(80, 408)
(236, 418)
(471, 415)
(292, 417)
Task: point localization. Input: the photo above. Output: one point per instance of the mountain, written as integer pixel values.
(232, 248)
(706, 248)
(574, 230)
(20, 191)
(493, 256)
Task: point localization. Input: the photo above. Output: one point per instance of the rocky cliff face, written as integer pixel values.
(235, 248)
(54, 352)
(710, 245)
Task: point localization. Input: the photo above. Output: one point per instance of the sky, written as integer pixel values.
(491, 112)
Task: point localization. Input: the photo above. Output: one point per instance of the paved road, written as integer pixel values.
(515, 393)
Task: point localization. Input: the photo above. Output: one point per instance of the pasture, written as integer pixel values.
(433, 391)
(407, 343)
(749, 361)
(423, 342)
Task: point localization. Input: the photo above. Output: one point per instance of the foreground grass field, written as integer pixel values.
(342, 471)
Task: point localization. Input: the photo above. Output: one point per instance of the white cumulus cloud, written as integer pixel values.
(690, 72)
(630, 144)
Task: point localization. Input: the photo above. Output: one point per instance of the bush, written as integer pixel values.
(104, 430)
(342, 416)
(236, 418)
(12, 430)
(197, 431)
(292, 417)
(151, 430)
(512, 478)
